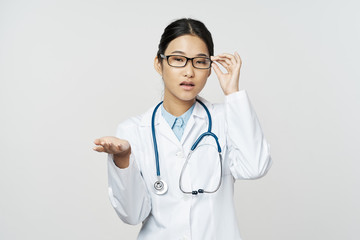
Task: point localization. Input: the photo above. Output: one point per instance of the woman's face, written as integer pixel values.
(183, 83)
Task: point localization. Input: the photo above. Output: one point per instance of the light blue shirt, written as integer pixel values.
(177, 124)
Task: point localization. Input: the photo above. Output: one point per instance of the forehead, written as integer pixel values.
(189, 44)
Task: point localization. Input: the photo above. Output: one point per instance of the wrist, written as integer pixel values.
(122, 160)
(228, 92)
(123, 154)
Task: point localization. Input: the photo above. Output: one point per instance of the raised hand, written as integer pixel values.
(229, 81)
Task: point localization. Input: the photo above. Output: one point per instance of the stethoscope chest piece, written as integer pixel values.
(160, 187)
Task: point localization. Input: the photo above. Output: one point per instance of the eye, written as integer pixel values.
(179, 59)
(202, 61)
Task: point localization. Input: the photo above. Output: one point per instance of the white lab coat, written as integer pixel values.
(175, 215)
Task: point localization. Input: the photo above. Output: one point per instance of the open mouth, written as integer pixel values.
(190, 84)
(187, 86)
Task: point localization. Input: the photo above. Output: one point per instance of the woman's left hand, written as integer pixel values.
(229, 81)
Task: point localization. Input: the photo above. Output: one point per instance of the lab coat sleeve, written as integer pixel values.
(127, 191)
(248, 150)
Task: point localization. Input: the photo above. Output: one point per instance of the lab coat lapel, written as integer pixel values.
(189, 126)
(162, 128)
(166, 131)
(195, 123)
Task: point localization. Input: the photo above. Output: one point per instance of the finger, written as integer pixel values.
(120, 147)
(217, 70)
(238, 58)
(224, 64)
(222, 57)
(225, 59)
(229, 56)
(97, 141)
(99, 148)
(219, 58)
(105, 145)
(114, 148)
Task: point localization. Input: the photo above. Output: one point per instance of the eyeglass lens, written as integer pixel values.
(180, 61)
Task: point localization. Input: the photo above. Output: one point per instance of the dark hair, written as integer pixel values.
(185, 26)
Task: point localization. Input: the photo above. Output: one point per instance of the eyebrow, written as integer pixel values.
(198, 55)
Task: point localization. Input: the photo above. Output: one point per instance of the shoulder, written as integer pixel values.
(218, 110)
(130, 126)
(232, 98)
(127, 128)
(214, 108)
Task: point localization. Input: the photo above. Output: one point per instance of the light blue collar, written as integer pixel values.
(171, 118)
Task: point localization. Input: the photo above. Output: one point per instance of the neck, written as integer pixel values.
(175, 106)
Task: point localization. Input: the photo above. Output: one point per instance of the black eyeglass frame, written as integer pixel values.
(187, 59)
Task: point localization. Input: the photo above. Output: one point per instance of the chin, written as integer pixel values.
(189, 96)
(181, 94)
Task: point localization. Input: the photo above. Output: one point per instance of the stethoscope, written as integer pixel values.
(160, 185)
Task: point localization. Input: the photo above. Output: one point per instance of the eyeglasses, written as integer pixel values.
(181, 61)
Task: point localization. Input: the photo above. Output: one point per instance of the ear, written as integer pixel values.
(209, 72)
(157, 65)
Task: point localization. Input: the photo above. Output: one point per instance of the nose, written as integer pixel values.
(189, 69)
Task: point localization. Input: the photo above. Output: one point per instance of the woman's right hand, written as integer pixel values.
(118, 147)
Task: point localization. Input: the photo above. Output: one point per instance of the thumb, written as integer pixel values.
(217, 70)
(124, 146)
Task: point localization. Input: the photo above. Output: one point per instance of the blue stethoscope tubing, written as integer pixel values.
(160, 185)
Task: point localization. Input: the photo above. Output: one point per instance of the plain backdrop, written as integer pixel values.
(71, 70)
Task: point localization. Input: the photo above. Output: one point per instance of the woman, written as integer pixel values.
(192, 196)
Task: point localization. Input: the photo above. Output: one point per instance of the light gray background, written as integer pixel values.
(72, 70)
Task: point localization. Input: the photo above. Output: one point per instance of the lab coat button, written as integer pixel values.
(179, 122)
(180, 154)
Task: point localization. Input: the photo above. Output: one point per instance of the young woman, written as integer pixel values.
(173, 168)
